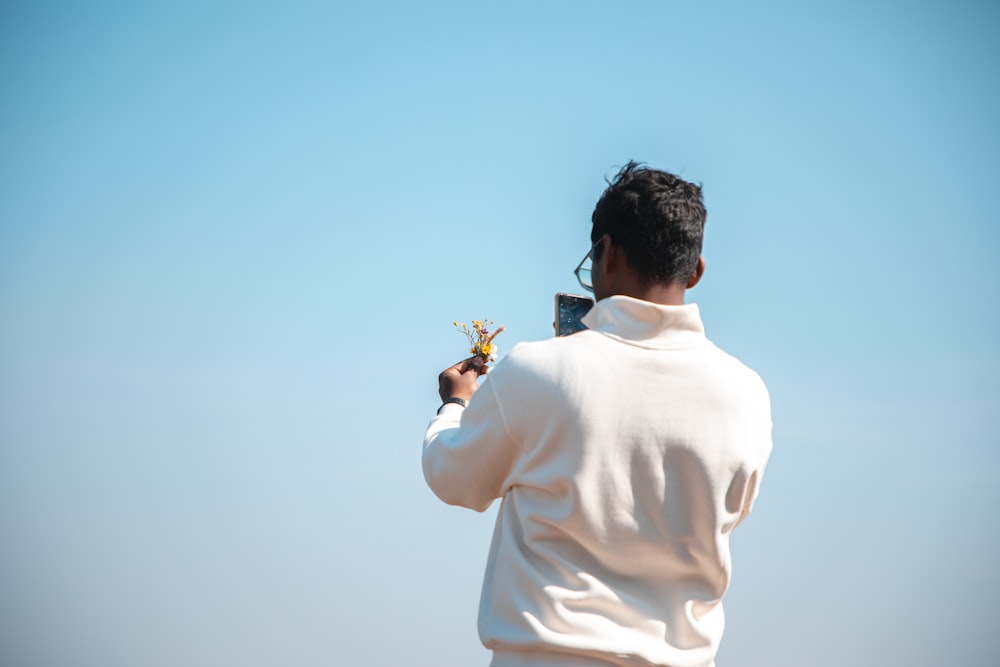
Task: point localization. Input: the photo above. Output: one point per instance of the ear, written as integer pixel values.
(699, 271)
(611, 254)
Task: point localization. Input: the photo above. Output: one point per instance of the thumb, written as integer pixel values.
(478, 364)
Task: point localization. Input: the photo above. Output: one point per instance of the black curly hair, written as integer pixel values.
(657, 218)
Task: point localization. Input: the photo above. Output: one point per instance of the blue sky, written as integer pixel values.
(233, 238)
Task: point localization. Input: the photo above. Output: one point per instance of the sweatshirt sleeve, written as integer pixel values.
(468, 452)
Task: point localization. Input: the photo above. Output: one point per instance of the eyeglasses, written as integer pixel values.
(584, 274)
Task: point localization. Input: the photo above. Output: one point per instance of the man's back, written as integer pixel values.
(624, 456)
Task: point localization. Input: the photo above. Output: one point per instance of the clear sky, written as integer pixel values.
(233, 238)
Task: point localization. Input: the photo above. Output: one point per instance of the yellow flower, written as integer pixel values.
(480, 337)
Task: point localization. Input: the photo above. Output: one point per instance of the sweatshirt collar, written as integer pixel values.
(646, 324)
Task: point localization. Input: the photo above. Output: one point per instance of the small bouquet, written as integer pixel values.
(481, 338)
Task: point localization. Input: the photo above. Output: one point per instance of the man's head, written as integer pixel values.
(657, 222)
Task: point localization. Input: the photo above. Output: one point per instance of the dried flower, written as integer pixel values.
(481, 338)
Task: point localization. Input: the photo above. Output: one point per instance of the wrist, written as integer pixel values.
(457, 400)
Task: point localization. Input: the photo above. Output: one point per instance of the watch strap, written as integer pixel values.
(453, 399)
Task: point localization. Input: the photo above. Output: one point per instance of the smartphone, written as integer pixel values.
(570, 308)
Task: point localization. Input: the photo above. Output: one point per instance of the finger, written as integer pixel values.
(480, 365)
(473, 364)
(464, 366)
(459, 367)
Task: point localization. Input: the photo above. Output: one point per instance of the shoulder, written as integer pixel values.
(740, 376)
(550, 353)
(539, 364)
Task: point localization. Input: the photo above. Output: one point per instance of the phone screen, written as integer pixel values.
(570, 308)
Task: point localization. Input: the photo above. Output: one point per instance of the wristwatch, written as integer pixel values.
(453, 399)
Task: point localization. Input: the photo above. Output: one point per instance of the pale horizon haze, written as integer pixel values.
(234, 238)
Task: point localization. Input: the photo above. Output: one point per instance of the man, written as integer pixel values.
(624, 454)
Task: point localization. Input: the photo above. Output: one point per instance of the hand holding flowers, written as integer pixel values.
(481, 338)
(462, 379)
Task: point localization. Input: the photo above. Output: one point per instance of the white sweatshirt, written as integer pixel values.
(624, 455)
